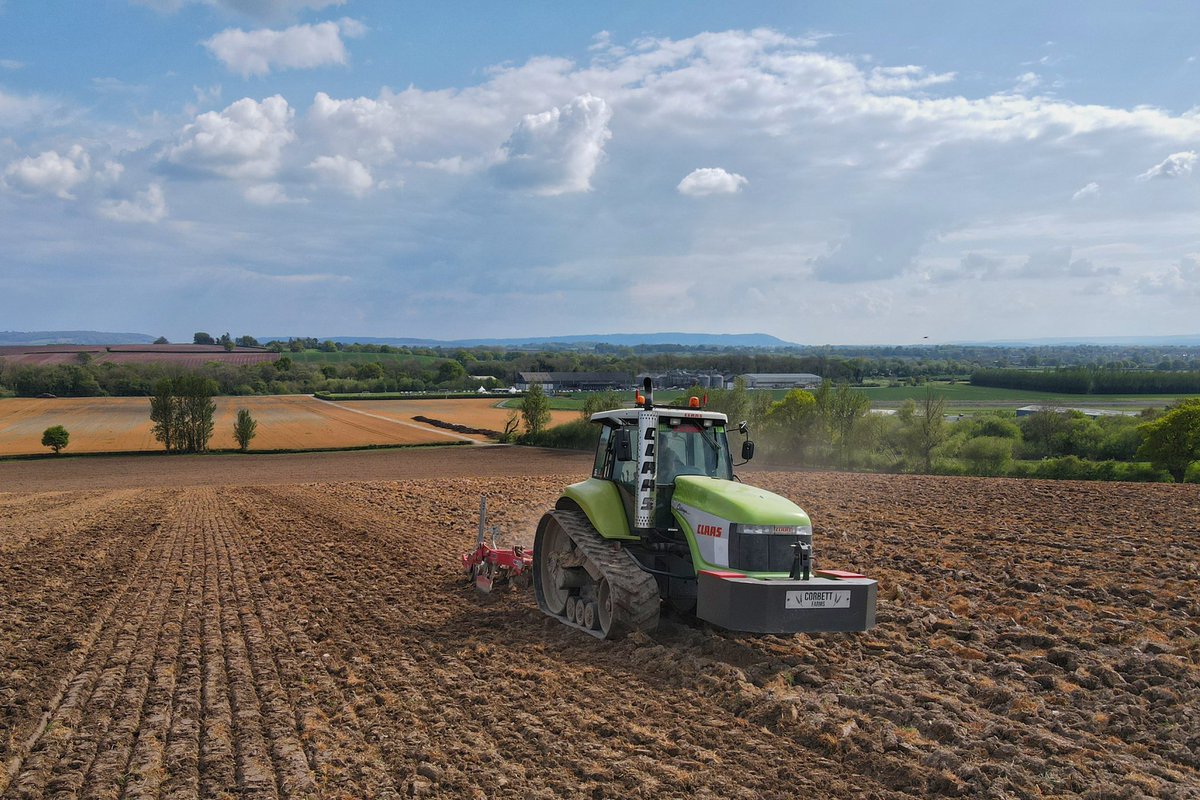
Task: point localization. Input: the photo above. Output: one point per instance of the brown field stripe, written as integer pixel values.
(180, 754)
(293, 773)
(353, 722)
(256, 775)
(145, 761)
(29, 767)
(116, 713)
(216, 771)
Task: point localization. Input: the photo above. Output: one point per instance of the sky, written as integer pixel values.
(826, 172)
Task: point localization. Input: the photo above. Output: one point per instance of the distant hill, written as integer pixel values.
(72, 337)
(757, 340)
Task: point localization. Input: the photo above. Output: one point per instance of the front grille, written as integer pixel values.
(763, 552)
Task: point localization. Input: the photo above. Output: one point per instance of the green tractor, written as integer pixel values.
(664, 518)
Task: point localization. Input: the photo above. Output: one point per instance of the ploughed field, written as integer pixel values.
(1035, 639)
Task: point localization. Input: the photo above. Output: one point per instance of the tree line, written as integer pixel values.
(831, 427)
(1084, 380)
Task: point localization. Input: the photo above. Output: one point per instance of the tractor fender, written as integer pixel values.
(601, 502)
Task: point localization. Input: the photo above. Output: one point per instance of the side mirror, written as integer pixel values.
(743, 428)
(747, 450)
(624, 445)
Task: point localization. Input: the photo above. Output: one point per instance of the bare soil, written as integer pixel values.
(1035, 639)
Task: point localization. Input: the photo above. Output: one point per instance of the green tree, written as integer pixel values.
(182, 410)
(925, 426)
(601, 401)
(56, 438)
(842, 410)
(372, 370)
(161, 340)
(535, 408)
(987, 455)
(245, 428)
(1173, 440)
(163, 412)
(200, 337)
(450, 371)
(790, 422)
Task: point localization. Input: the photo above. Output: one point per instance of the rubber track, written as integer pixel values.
(634, 591)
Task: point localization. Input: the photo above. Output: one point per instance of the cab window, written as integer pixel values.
(601, 467)
(691, 449)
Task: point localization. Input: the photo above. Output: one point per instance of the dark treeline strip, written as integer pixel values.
(1090, 381)
(1074, 370)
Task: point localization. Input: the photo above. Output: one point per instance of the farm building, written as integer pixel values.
(684, 379)
(781, 380)
(574, 381)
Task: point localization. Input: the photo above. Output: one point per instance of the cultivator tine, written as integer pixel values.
(482, 520)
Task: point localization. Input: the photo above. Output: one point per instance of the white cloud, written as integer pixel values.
(1026, 82)
(557, 151)
(246, 140)
(1176, 165)
(19, 110)
(343, 173)
(904, 79)
(971, 266)
(11, 64)
(1056, 262)
(145, 207)
(267, 194)
(50, 173)
(259, 9)
(1091, 190)
(362, 127)
(710, 180)
(1181, 279)
(298, 47)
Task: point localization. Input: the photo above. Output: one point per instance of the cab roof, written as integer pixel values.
(625, 416)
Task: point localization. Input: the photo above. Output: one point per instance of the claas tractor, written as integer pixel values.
(664, 519)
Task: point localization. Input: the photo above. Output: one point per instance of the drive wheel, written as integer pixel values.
(555, 543)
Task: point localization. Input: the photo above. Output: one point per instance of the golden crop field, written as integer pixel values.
(292, 422)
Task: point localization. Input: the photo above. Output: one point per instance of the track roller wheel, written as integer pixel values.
(589, 616)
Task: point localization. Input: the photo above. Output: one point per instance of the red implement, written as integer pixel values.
(489, 566)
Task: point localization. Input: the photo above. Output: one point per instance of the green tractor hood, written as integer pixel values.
(737, 502)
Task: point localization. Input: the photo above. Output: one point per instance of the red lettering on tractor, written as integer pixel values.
(710, 530)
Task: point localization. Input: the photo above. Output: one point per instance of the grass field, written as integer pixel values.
(966, 396)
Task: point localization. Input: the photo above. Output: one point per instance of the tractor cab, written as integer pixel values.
(685, 442)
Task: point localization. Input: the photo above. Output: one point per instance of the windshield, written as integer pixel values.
(689, 449)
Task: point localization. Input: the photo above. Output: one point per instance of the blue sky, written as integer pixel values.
(825, 172)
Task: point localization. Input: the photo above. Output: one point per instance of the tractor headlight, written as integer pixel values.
(776, 530)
